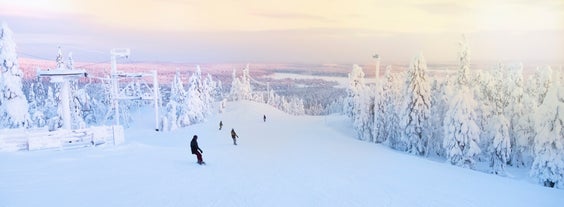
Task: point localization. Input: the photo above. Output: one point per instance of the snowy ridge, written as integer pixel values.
(285, 161)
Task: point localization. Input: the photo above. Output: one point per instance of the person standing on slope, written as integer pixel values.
(264, 118)
(220, 125)
(196, 149)
(234, 136)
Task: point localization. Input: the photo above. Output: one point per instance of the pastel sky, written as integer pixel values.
(289, 31)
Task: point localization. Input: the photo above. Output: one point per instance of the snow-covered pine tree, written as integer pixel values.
(59, 60)
(178, 100)
(194, 103)
(379, 117)
(360, 105)
(241, 87)
(37, 96)
(539, 84)
(416, 107)
(461, 131)
(500, 148)
(70, 62)
(391, 96)
(354, 91)
(439, 106)
(211, 92)
(525, 132)
(460, 123)
(170, 120)
(14, 112)
(515, 112)
(548, 165)
(496, 134)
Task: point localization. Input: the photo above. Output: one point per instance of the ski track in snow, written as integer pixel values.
(287, 161)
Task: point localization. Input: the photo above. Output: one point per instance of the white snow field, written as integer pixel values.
(285, 161)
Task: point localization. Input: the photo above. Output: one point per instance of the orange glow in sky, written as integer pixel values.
(397, 29)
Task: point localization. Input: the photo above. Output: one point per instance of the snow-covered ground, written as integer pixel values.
(285, 161)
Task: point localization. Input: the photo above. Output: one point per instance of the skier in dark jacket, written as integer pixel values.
(196, 149)
(234, 136)
(220, 125)
(264, 118)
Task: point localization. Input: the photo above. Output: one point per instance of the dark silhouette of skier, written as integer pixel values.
(196, 149)
(220, 125)
(234, 136)
(264, 118)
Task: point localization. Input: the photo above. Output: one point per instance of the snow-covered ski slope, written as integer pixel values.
(287, 161)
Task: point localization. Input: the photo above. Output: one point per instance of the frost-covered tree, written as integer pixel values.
(439, 106)
(169, 121)
(539, 84)
(515, 112)
(416, 107)
(177, 100)
(524, 132)
(391, 96)
(355, 89)
(241, 87)
(464, 53)
(359, 105)
(195, 104)
(548, 165)
(500, 147)
(461, 131)
(13, 103)
(70, 62)
(37, 96)
(294, 106)
(59, 60)
(460, 122)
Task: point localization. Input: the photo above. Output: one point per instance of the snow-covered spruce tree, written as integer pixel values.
(439, 107)
(515, 112)
(461, 131)
(37, 97)
(359, 105)
(295, 106)
(391, 97)
(170, 121)
(177, 100)
(197, 109)
(13, 104)
(354, 91)
(539, 84)
(525, 132)
(500, 148)
(70, 62)
(379, 119)
(241, 87)
(495, 136)
(54, 121)
(548, 165)
(416, 107)
(59, 60)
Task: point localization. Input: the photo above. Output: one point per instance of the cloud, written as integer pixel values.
(292, 16)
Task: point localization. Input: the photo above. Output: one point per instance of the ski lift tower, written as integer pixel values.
(119, 94)
(377, 75)
(115, 53)
(64, 76)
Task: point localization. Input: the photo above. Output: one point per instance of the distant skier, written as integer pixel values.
(264, 118)
(234, 136)
(196, 149)
(220, 125)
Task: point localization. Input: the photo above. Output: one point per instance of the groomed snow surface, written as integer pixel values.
(285, 161)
